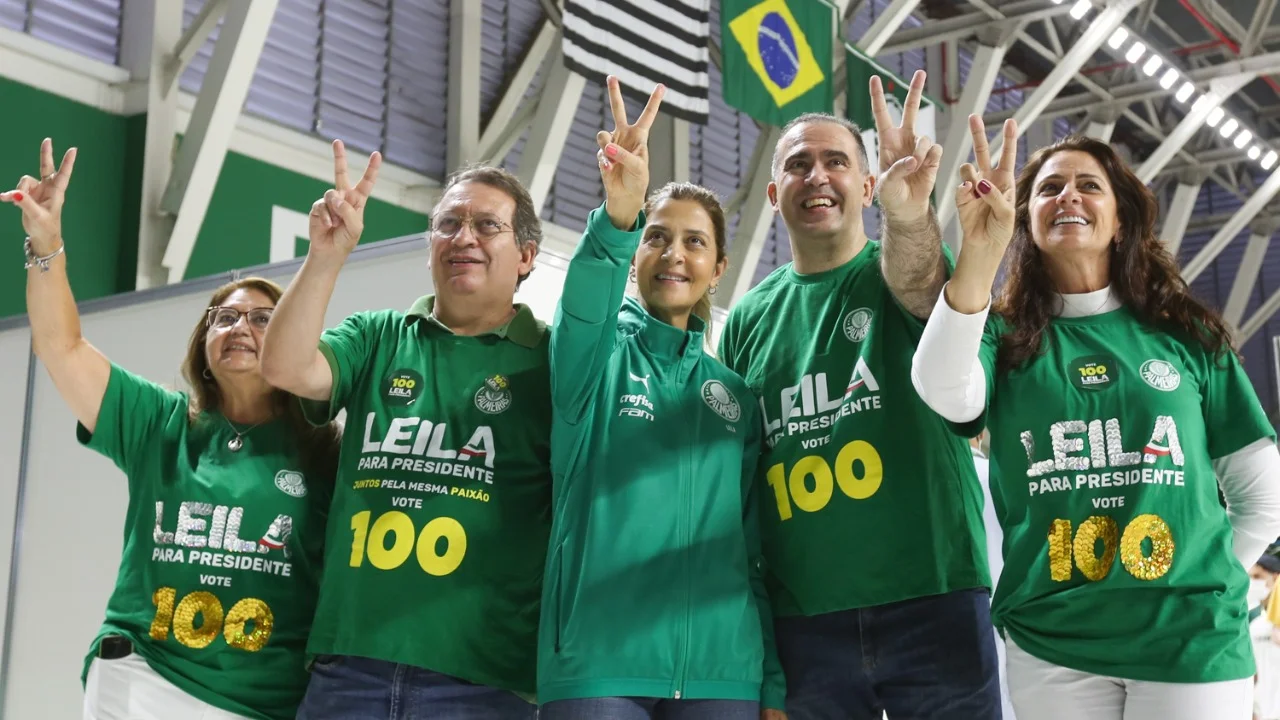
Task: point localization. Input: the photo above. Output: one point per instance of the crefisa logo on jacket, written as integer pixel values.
(718, 398)
(291, 483)
(494, 395)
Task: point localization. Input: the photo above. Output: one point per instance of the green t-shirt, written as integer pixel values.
(442, 507)
(1118, 552)
(867, 497)
(222, 550)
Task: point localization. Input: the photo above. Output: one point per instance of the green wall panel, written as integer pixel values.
(100, 220)
(93, 218)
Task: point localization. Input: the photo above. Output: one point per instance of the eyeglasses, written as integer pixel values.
(447, 226)
(222, 318)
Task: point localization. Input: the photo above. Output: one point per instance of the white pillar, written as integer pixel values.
(550, 130)
(150, 30)
(1180, 211)
(1247, 273)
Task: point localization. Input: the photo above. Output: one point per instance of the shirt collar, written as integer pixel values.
(523, 329)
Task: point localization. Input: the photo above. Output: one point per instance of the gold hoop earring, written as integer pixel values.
(632, 275)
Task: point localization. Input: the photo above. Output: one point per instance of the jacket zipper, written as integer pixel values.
(687, 510)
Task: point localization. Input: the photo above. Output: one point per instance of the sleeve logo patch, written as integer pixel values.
(403, 387)
(1092, 372)
(718, 398)
(857, 324)
(291, 483)
(1160, 375)
(494, 396)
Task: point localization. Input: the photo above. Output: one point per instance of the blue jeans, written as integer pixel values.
(633, 708)
(930, 658)
(345, 687)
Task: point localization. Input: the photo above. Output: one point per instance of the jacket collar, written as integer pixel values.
(663, 340)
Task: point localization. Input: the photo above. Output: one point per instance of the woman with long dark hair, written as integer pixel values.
(227, 481)
(1118, 410)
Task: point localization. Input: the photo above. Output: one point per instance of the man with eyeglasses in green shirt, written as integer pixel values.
(438, 530)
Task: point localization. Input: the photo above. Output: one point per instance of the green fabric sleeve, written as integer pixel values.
(133, 411)
(1233, 417)
(346, 348)
(584, 333)
(726, 351)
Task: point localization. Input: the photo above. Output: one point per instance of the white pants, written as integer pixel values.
(128, 689)
(1044, 691)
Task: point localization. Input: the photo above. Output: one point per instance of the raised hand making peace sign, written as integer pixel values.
(985, 199)
(624, 157)
(337, 219)
(41, 200)
(908, 163)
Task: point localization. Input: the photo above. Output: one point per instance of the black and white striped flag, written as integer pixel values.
(643, 43)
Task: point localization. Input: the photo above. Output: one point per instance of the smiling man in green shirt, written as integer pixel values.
(439, 525)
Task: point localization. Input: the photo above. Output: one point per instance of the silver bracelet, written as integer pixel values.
(33, 260)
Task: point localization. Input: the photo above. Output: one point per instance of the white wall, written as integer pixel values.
(15, 347)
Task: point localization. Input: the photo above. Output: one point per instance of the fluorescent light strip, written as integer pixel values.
(1169, 78)
(1135, 52)
(1117, 38)
(1268, 160)
(1254, 152)
(1243, 139)
(1185, 92)
(1229, 128)
(1215, 117)
(1081, 8)
(1152, 65)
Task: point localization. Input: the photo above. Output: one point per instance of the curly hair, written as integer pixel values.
(1144, 275)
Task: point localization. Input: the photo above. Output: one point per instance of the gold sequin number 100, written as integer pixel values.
(206, 604)
(1146, 548)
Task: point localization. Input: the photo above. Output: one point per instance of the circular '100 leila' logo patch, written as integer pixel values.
(1092, 372)
(402, 387)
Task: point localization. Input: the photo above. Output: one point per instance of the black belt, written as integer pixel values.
(114, 647)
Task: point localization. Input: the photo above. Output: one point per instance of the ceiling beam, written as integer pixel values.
(962, 26)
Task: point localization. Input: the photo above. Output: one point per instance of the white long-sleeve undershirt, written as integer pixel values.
(950, 379)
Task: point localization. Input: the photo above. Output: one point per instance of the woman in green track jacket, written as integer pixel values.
(654, 603)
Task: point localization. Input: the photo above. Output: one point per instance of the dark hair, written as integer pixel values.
(817, 117)
(318, 446)
(527, 224)
(1144, 276)
(711, 204)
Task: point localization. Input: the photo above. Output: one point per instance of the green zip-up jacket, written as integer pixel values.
(655, 583)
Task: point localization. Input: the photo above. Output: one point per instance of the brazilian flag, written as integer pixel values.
(778, 57)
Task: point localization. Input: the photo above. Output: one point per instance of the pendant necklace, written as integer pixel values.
(237, 442)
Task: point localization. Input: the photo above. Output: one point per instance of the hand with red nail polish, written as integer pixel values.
(985, 204)
(41, 200)
(624, 157)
